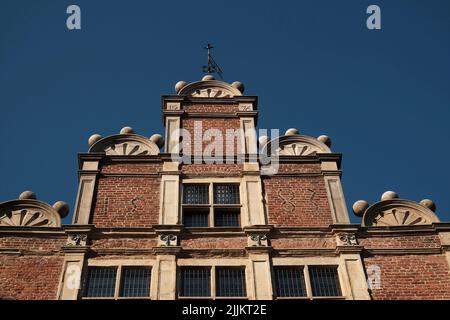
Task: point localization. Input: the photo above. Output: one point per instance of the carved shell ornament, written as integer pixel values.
(126, 144)
(29, 212)
(209, 88)
(391, 211)
(294, 144)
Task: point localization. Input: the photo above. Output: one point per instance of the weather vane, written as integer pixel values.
(212, 66)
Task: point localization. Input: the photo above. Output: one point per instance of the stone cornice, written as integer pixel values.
(43, 231)
(304, 252)
(401, 251)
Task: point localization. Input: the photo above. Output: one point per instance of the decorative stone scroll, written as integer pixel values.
(398, 212)
(125, 145)
(210, 89)
(295, 145)
(167, 240)
(28, 213)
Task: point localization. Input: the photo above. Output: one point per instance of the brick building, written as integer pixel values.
(159, 219)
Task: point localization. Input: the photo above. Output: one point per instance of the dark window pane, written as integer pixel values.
(289, 282)
(101, 282)
(226, 217)
(226, 194)
(324, 281)
(135, 282)
(195, 218)
(230, 282)
(195, 194)
(195, 282)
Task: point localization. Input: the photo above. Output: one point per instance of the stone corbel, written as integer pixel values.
(78, 235)
(258, 236)
(168, 235)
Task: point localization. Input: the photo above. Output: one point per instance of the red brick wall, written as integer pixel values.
(400, 241)
(30, 277)
(212, 123)
(297, 201)
(30, 242)
(411, 277)
(127, 201)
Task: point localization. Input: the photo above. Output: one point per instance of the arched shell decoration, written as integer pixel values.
(125, 145)
(210, 89)
(28, 213)
(398, 212)
(295, 145)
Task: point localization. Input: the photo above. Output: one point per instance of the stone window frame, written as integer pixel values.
(305, 263)
(213, 264)
(211, 205)
(119, 264)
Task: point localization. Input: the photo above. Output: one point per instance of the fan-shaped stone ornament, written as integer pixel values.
(28, 213)
(125, 145)
(209, 89)
(398, 212)
(295, 145)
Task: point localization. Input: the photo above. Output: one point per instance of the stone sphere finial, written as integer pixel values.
(126, 130)
(157, 139)
(291, 132)
(238, 85)
(325, 140)
(180, 85)
(62, 208)
(388, 195)
(263, 140)
(93, 139)
(359, 207)
(27, 195)
(208, 77)
(428, 204)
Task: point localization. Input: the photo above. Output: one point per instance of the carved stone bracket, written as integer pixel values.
(167, 240)
(77, 240)
(257, 240)
(347, 239)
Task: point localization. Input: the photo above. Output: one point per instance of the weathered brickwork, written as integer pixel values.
(411, 276)
(197, 107)
(212, 169)
(33, 242)
(304, 242)
(30, 277)
(230, 141)
(297, 201)
(214, 243)
(400, 241)
(130, 168)
(127, 202)
(123, 243)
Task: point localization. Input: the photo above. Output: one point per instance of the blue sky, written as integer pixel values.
(382, 96)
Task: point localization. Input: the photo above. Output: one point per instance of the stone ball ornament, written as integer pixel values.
(263, 140)
(180, 85)
(389, 195)
(27, 195)
(238, 85)
(157, 139)
(208, 77)
(292, 132)
(93, 139)
(62, 208)
(428, 204)
(325, 140)
(359, 207)
(127, 130)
